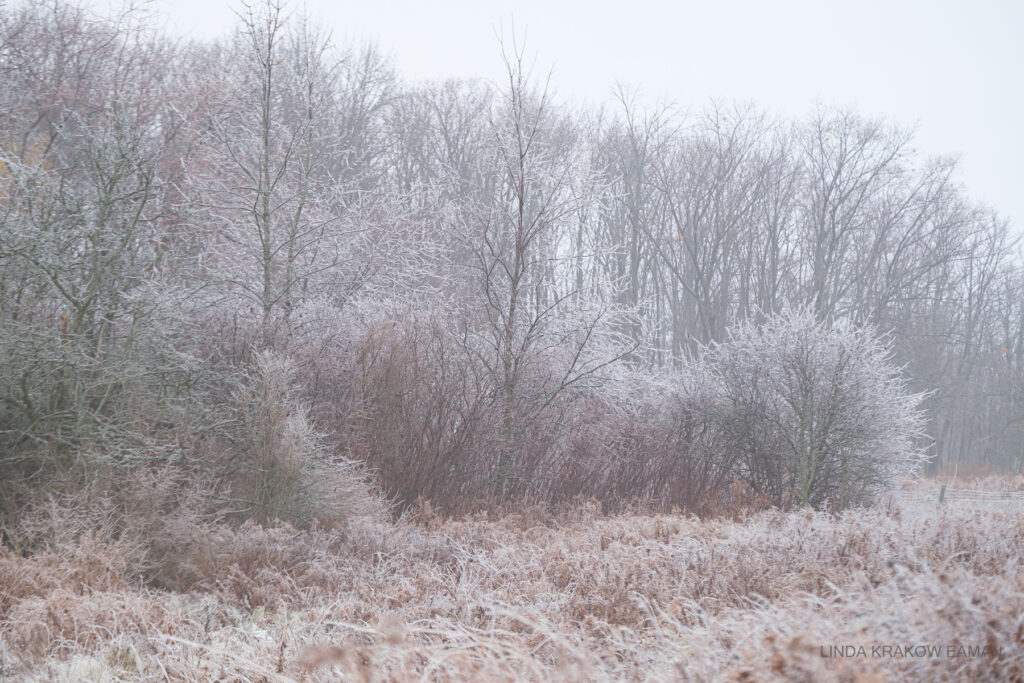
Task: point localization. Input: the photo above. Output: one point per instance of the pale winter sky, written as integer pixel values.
(953, 68)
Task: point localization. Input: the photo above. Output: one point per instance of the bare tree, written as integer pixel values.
(527, 317)
(275, 183)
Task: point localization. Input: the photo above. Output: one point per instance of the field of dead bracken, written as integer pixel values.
(531, 595)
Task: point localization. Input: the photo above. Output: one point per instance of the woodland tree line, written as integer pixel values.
(254, 260)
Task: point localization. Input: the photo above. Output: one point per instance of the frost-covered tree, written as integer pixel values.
(538, 338)
(270, 184)
(92, 315)
(812, 414)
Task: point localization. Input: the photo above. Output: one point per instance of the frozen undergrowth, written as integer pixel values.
(536, 597)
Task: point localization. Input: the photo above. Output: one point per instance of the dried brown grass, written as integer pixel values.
(531, 596)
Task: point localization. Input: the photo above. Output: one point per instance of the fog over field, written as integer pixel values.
(510, 342)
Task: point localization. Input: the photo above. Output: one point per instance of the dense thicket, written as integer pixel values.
(474, 289)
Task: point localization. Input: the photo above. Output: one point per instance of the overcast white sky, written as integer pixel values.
(953, 68)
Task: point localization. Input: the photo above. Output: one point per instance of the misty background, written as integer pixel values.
(949, 69)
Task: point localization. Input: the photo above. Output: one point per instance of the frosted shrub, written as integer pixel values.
(287, 472)
(813, 415)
